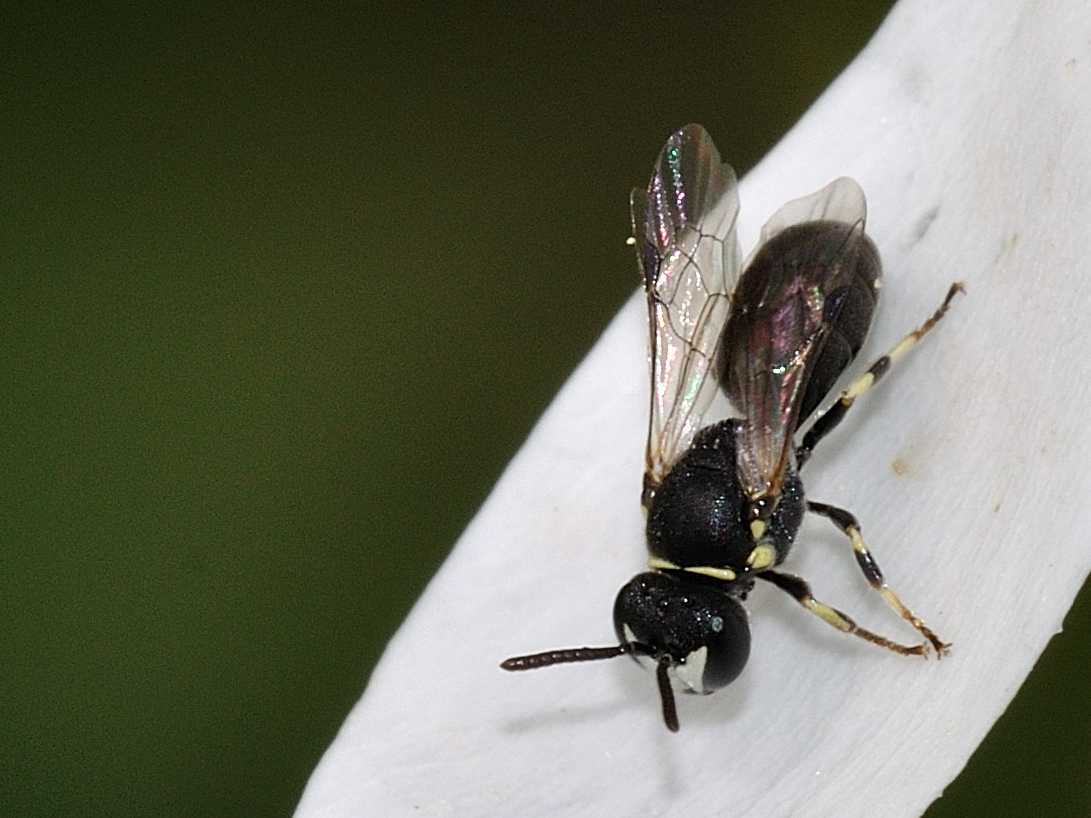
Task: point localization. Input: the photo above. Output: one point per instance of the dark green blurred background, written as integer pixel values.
(285, 291)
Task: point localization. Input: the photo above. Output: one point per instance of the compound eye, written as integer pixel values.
(728, 646)
(722, 657)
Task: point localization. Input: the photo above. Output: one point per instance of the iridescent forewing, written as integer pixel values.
(684, 227)
(780, 320)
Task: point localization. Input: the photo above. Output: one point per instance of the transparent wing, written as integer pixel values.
(684, 227)
(842, 200)
(808, 266)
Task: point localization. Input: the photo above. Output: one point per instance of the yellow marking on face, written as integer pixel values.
(761, 557)
(658, 563)
(757, 529)
(858, 544)
(858, 387)
(726, 574)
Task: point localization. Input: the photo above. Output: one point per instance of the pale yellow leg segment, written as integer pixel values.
(847, 523)
(942, 648)
(879, 368)
(801, 591)
(846, 624)
(829, 419)
(875, 577)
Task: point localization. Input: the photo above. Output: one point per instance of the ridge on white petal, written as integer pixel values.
(967, 126)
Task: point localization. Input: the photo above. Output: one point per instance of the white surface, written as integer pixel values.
(968, 126)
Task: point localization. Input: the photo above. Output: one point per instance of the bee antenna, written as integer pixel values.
(533, 661)
(564, 656)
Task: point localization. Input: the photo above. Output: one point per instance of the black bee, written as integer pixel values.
(724, 501)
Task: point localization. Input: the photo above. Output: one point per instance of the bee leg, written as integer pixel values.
(801, 592)
(829, 419)
(870, 568)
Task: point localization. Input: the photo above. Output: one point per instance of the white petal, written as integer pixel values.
(968, 127)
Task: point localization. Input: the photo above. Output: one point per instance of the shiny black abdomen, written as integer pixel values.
(696, 515)
(848, 312)
(833, 261)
